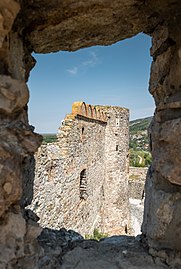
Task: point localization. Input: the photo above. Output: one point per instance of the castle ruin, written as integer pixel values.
(48, 26)
(81, 180)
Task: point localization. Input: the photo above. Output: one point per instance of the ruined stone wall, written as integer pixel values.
(58, 198)
(87, 143)
(163, 191)
(17, 141)
(47, 26)
(136, 183)
(137, 177)
(116, 210)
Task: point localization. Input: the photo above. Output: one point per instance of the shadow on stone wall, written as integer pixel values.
(28, 166)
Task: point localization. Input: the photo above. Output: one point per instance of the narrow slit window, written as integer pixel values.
(82, 133)
(82, 130)
(83, 185)
(117, 121)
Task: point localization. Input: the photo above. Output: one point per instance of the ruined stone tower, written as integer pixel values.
(48, 26)
(81, 180)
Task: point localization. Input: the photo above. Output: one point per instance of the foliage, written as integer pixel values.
(96, 235)
(139, 125)
(139, 158)
(49, 138)
(139, 143)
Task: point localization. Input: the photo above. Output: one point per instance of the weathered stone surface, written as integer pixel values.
(160, 40)
(167, 144)
(8, 11)
(117, 164)
(162, 226)
(46, 26)
(28, 181)
(14, 94)
(71, 25)
(163, 198)
(136, 181)
(98, 147)
(113, 253)
(12, 234)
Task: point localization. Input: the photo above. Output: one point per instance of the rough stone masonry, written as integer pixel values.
(81, 181)
(46, 26)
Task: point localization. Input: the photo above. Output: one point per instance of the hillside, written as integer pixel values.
(139, 124)
(138, 133)
(49, 138)
(139, 144)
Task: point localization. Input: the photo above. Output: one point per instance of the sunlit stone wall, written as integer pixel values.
(81, 180)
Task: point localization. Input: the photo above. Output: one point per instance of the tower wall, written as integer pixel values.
(81, 180)
(116, 210)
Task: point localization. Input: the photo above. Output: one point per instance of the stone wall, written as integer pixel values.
(17, 140)
(47, 26)
(136, 183)
(116, 210)
(163, 191)
(93, 144)
(137, 177)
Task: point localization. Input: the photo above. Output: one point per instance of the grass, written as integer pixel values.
(97, 235)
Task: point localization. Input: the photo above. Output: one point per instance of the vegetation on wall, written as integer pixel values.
(97, 235)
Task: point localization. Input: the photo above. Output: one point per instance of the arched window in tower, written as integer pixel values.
(83, 185)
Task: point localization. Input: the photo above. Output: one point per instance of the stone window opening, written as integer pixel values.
(117, 147)
(83, 185)
(63, 123)
(117, 121)
(82, 134)
(82, 130)
(165, 69)
(126, 229)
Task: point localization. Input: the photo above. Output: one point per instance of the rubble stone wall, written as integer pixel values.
(136, 182)
(87, 147)
(47, 26)
(163, 186)
(116, 210)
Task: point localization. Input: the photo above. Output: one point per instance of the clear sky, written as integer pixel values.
(103, 75)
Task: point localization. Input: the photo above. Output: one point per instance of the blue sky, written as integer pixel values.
(106, 75)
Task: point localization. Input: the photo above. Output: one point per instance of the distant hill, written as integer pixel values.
(49, 138)
(139, 125)
(139, 143)
(138, 133)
